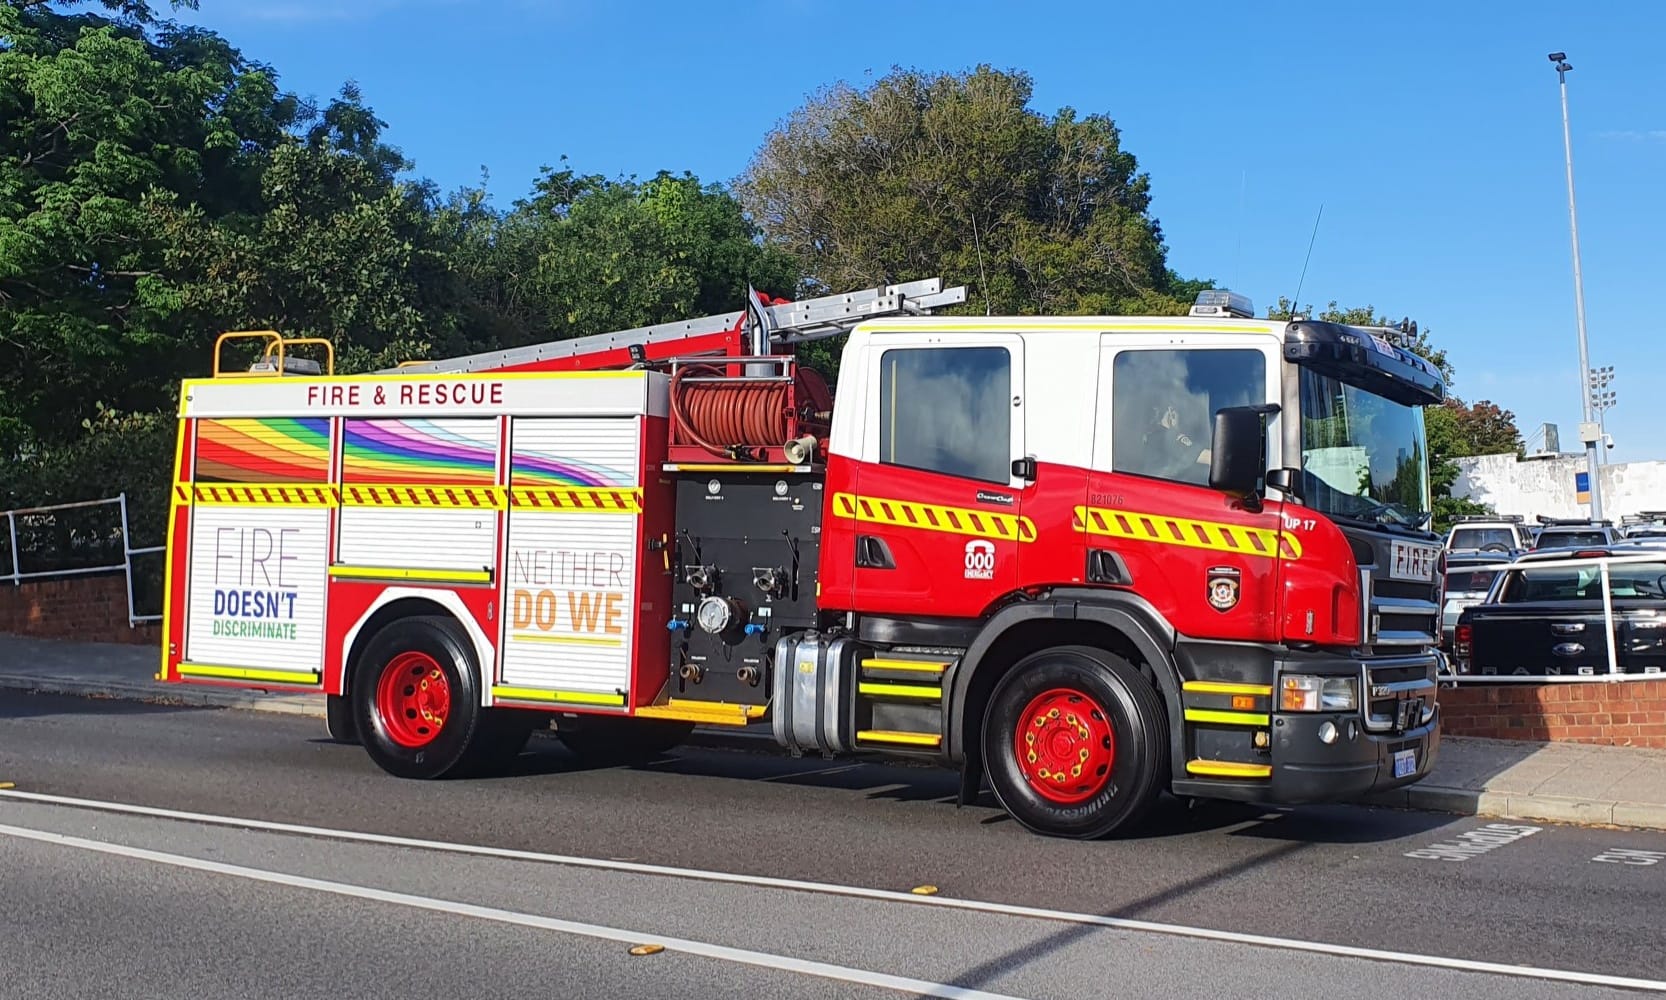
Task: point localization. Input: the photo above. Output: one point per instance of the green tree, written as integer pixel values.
(1485, 428)
(583, 254)
(953, 174)
(156, 187)
(334, 250)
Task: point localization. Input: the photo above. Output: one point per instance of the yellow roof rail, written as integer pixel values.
(275, 360)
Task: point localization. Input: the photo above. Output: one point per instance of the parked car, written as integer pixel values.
(1644, 524)
(1563, 533)
(1545, 615)
(1489, 533)
(1650, 532)
(1469, 578)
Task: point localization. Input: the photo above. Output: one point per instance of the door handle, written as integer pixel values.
(873, 553)
(1105, 566)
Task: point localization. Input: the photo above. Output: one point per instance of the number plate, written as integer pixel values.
(1405, 762)
(1412, 562)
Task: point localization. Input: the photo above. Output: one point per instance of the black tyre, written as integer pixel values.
(416, 697)
(1075, 743)
(600, 739)
(338, 718)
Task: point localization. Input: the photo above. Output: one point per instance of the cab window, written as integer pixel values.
(1584, 583)
(947, 410)
(1163, 405)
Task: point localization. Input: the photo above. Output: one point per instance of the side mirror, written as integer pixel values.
(1238, 451)
(1286, 481)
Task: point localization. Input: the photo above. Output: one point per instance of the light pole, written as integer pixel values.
(1602, 399)
(1589, 430)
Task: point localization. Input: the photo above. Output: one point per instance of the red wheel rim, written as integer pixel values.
(414, 699)
(1065, 746)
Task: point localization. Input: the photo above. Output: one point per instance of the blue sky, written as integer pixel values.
(1430, 131)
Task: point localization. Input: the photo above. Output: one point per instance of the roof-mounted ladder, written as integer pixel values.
(759, 329)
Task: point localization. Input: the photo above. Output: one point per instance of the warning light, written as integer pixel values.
(1243, 702)
(1220, 302)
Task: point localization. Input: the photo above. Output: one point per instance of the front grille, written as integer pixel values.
(1400, 622)
(1397, 675)
(1404, 683)
(1404, 589)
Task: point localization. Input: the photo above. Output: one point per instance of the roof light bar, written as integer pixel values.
(1221, 302)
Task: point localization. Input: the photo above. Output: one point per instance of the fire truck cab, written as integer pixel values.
(1084, 559)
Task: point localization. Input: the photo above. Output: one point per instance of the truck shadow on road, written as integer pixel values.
(901, 783)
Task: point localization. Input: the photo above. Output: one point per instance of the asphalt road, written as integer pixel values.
(1429, 885)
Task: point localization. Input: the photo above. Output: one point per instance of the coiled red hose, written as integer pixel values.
(741, 413)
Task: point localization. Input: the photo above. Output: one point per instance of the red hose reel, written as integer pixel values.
(747, 418)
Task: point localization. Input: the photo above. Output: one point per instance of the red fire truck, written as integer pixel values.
(1082, 559)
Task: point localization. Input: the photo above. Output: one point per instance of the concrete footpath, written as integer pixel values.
(1556, 782)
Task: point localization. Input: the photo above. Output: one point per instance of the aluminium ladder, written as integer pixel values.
(755, 331)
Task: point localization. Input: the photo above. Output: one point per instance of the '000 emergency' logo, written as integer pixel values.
(980, 560)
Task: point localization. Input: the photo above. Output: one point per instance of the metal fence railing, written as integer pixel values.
(79, 539)
(1647, 582)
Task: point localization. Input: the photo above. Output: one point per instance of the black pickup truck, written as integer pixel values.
(1545, 615)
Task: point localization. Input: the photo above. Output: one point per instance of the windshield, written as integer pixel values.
(1362, 456)
(1470, 581)
(1570, 539)
(1584, 583)
(1480, 538)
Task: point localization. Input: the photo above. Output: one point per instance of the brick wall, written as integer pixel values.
(1631, 713)
(89, 608)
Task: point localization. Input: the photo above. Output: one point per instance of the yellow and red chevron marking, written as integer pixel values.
(467, 497)
(580, 499)
(263, 495)
(1215, 536)
(934, 517)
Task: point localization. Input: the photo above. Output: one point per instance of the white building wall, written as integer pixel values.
(1546, 486)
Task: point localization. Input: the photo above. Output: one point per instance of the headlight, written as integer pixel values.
(1308, 693)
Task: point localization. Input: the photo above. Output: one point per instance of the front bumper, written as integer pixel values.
(1398, 714)
(1306, 770)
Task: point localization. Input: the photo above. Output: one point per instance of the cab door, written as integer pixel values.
(937, 504)
(1208, 563)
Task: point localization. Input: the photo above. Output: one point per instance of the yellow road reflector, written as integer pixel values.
(6, 784)
(647, 949)
(924, 890)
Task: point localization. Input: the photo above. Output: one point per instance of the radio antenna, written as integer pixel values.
(1294, 303)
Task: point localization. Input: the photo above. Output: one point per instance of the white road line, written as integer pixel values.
(859, 892)
(742, 956)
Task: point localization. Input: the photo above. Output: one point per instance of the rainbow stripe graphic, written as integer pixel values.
(431, 452)
(537, 469)
(267, 450)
